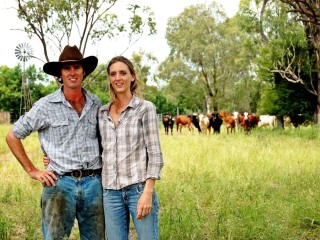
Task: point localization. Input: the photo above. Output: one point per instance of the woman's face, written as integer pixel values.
(120, 77)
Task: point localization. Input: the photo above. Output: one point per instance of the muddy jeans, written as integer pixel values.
(73, 198)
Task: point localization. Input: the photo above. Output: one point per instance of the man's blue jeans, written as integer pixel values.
(120, 204)
(71, 198)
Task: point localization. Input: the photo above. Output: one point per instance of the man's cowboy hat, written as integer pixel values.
(71, 55)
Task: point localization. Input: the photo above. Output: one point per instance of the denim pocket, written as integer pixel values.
(140, 188)
(52, 191)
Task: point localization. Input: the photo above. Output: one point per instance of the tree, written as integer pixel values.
(98, 84)
(283, 47)
(10, 88)
(10, 92)
(302, 67)
(143, 63)
(194, 37)
(180, 86)
(56, 23)
(220, 54)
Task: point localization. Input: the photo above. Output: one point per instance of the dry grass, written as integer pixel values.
(258, 186)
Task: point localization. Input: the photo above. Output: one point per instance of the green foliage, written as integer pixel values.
(295, 100)
(98, 83)
(181, 87)
(143, 63)
(285, 47)
(220, 55)
(10, 87)
(155, 96)
(288, 98)
(269, 101)
(10, 92)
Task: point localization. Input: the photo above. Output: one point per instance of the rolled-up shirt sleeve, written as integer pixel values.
(32, 121)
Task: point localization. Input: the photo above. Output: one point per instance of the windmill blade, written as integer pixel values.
(23, 52)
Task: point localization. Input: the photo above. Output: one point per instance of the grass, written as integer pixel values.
(263, 185)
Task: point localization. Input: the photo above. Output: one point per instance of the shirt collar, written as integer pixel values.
(134, 102)
(58, 96)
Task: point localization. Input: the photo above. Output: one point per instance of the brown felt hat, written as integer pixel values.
(71, 55)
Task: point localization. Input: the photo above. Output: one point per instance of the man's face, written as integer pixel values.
(72, 75)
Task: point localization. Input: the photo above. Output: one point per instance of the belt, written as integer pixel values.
(83, 173)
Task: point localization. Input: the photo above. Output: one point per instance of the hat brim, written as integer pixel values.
(89, 64)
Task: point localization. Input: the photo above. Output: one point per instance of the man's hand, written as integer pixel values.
(45, 177)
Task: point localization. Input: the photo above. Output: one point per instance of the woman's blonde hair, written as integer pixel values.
(134, 84)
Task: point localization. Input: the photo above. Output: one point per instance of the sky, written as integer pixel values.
(157, 45)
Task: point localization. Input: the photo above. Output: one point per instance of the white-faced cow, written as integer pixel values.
(204, 123)
(247, 121)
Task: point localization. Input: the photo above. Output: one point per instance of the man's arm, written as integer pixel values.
(45, 177)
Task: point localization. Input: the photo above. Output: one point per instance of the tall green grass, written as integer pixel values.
(263, 185)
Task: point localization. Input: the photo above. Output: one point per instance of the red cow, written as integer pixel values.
(248, 121)
(182, 120)
(189, 121)
(253, 120)
(229, 121)
(240, 120)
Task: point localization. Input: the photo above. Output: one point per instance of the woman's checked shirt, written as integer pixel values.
(131, 151)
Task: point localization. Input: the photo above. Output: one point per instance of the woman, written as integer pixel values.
(132, 158)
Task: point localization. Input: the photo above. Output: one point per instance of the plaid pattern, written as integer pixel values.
(68, 140)
(132, 151)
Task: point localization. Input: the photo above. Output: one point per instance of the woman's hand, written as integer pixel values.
(144, 205)
(46, 161)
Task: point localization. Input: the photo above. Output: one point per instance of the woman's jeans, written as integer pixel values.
(120, 204)
(71, 198)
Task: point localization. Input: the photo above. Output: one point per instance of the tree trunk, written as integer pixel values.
(317, 110)
(279, 122)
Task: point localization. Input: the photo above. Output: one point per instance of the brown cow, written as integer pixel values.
(253, 120)
(188, 121)
(229, 121)
(248, 121)
(182, 120)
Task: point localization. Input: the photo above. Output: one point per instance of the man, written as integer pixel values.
(66, 121)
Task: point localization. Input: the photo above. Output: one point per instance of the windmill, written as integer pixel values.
(24, 52)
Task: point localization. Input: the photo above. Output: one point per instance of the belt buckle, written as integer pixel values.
(75, 172)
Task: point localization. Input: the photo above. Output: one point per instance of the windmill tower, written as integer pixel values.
(24, 52)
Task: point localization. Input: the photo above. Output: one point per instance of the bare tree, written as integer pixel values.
(55, 23)
(309, 16)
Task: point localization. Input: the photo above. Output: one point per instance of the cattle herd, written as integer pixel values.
(213, 121)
